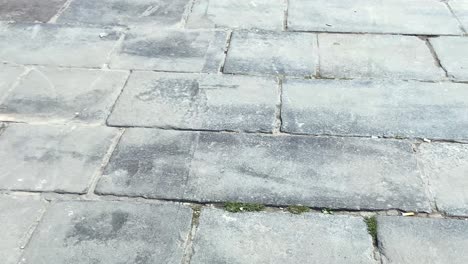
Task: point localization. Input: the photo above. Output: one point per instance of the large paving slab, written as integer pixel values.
(18, 216)
(423, 240)
(62, 95)
(425, 17)
(273, 53)
(29, 10)
(259, 14)
(216, 167)
(110, 232)
(446, 167)
(460, 8)
(171, 50)
(224, 237)
(58, 45)
(193, 101)
(52, 158)
(376, 56)
(375, 108)
(453, 55)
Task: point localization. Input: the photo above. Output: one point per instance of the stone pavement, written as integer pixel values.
(227, 131)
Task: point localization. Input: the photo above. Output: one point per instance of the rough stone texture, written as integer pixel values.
(48, 44)
(272, 53)
(388, 56)
(425, 17)
(423, 240)
(51, 158)
(214, 167)
(452, 54)
(224, 237)
(374, 107)
(110, 232)
(29, 10)
(261, 14)
(192, 101)
(446, 167)
(8, 77)
(17, 217)
(460, 8)
(172, 50)
(62, 95)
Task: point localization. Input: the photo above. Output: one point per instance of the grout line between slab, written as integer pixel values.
(62, 9)
(460, 24)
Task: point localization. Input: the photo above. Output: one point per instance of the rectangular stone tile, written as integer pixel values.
(453, 55)
(48, 44)
(171, 50)
(423, 240)
(193, 101)
(29, 10)
(460, 8)
(278, 170)
(425, 17)
(110, 232)
(446, 167)
(261, 237)
(375, 108)
(63, 95)
(272, 53)
(52, 158)
(259, 14)
(376, 56)
(18, 216)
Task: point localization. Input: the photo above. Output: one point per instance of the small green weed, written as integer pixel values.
(235, 207)
(298, 209)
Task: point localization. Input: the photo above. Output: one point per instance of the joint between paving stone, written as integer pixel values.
(188, 11)
(279, 107)
(189, 250)
(62, 9)
(460, 24)
(437, 61)
(286, 14)
(226, 50)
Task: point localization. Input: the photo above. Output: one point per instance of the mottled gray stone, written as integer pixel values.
(224, 237)
(460, 8)
(446, 167)
(452, 52)
(49, 44)
(8, 77)
(376, 107)
(18, 215)
(52, 158)
(423, 240)
(29, 10)
(387, 56)
(171, 50)
(272, 53)
(110, 232)
(425, 17)
(261, 14)
(62, 95)
(193, 101)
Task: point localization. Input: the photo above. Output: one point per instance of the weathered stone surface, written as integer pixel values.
(382, 16)
(110, 232)
(193, 101)
(376, 107)
(8, 77)
(423, 240)
(387, 56)
(62, 95)
(18, 215)
(460, 8)
(214, 167)
(446, 167)
(48, 44)
(224, 237)
(171, 50)
(272, 53)
(51, 158)
(452, 54)
(29, 10)
(261, 14)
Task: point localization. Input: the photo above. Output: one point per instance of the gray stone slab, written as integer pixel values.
(49, 44)
(18, 216)
(110, 232)
(52, 158)
(423, 240)
(425, 17)
(452, 54)
(171, 50)
(8, 77)
(279, 170)
(29, 10)
(376, 56)
(224, 237)
(272, 53)
(260, 14)
(376, 108)
(446, 167)
(460, 8)
(193, 101)
(63, 95)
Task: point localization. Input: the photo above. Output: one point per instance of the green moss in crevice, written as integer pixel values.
(235, 207)
(298, 209)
